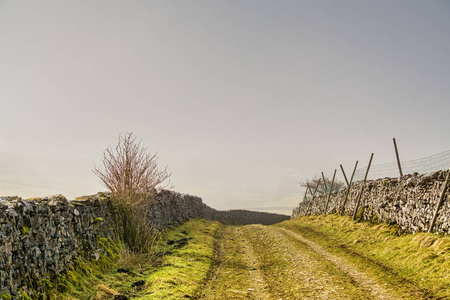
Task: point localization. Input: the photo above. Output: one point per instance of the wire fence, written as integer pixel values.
(433, 163)
(440, 161)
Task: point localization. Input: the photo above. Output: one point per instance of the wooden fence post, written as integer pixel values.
(347, 193)
(438, 205)
(355, 213)
(324, 183)
(353, 174)
(398, 159)
(317, 186)
(304, 197)
(348, 188)
(308, 188)
(345, 176)
(329, 195)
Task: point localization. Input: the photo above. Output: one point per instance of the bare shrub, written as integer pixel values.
(130, 172)
(132, 176)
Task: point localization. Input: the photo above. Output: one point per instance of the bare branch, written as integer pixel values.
(130, 172)
(337, 186)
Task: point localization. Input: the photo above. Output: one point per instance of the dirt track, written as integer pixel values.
(265, 262)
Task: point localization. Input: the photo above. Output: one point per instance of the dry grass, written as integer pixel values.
(104, 292)
(419, 262)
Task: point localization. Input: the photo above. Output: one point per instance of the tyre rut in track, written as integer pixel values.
(266, 262)
(364, 280)
(236, 274)
(292, 271)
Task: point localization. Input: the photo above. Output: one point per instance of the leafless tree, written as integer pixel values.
(130, 172)
(312, 183)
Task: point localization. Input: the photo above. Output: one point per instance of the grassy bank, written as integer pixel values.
(176, 268)
(419, 263)
(189, 256)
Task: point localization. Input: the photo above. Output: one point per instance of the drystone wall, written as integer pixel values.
(243, 217)
(170, 208)
(41, 237)
(173, 208)
(408, 202)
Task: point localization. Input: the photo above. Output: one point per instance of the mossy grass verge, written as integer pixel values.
(75, 278)
(99, 279)
(415, 264)
(176, 267)
(187, 261)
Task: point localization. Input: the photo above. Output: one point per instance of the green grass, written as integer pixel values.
(417, 262)
(201, 257)
(176, 268)
(184, 269)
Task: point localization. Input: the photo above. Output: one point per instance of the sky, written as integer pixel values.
(240, 99)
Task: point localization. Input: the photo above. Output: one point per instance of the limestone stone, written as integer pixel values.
(409, 202)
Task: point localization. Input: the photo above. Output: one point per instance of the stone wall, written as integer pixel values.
(41, 237)
(409, 202)
(243, 217)
(172, 208)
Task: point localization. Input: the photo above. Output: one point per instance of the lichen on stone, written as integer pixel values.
(6, 297)
(97, 220)
(24, 230)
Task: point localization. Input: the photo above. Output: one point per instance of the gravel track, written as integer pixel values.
(365, 281)
(276, 263)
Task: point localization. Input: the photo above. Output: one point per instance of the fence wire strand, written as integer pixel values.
(440, 161)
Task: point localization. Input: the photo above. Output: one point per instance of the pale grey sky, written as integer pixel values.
(242, 99)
